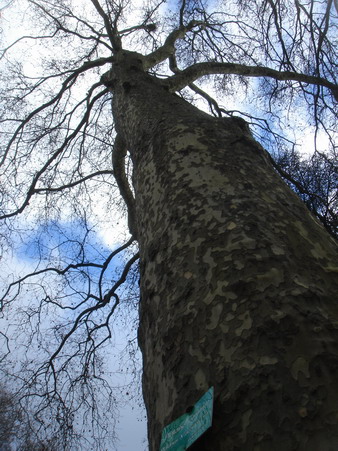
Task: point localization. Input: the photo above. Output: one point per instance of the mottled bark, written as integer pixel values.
(239, 282)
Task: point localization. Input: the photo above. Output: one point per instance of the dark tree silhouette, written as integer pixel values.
(103, 111)
(8, 418)
(15, 432)
(315, 180)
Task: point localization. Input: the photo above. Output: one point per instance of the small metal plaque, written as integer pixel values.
(184, 431)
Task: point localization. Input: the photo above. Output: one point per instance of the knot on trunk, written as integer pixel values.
(108, 79)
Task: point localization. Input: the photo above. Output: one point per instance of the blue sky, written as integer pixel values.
(68, 242)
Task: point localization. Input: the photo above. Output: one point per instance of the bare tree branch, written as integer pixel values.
(192, 73)
(72, 184)
(168, 48)
(113, 36)
(118, 159)
(101, 304)
(65, 86)
(32, 189)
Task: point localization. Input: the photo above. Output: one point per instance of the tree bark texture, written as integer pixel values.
(238, 282)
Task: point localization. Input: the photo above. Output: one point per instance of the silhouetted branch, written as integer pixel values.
(192, 73)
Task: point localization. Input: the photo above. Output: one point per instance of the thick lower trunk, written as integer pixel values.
(239, 282)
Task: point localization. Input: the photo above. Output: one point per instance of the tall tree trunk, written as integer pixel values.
(239, 282)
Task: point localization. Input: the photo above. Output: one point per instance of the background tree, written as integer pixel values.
(237, 279)
(315, 180)
(8, 418)
(15, 432)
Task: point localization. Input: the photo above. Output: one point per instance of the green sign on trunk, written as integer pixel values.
(184, 431)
